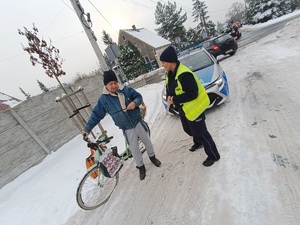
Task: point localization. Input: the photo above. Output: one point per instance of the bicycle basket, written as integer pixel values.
(109, 163)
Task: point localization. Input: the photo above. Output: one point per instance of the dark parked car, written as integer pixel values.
(221, 45)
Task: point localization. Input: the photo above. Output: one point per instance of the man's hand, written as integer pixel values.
(131, 106)
(170, 100)
(84, 133)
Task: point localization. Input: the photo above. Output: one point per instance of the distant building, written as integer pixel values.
(7, 101)
(149, 44)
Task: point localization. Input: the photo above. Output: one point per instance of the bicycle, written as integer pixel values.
(95, 188)
(94, 192)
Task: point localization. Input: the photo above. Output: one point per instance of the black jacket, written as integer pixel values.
(188, 84)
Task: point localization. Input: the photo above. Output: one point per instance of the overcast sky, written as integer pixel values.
(57, 20)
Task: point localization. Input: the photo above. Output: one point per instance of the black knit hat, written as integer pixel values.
(109, 76)
(169, 55)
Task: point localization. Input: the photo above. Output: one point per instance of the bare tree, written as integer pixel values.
(236, 12)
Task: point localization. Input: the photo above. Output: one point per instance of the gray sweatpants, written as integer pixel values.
(132, 137)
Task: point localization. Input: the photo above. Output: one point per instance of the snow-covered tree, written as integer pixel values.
(170, 21)
(200, 15)
(211, 28)
(295, 4)
(192, 36)
(131, 61)
(42, 86)
(264, 10)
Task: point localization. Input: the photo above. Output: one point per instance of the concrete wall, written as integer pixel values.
(36, 127)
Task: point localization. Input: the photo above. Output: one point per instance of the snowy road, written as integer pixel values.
(257, 180)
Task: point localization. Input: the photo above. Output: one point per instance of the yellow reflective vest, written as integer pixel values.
(192, 109)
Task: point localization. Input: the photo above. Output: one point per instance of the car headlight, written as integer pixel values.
(164, 94)
(219, 81)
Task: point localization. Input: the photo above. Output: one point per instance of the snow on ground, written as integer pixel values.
(256, 181)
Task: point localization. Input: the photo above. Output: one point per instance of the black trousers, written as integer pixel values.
(197, 129)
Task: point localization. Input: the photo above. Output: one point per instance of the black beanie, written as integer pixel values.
(109, 76)
(169, 55)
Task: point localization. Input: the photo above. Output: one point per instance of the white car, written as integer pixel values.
(209, 72)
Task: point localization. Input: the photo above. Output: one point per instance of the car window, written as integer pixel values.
(206, 44)
(223, 38)
(197, 61)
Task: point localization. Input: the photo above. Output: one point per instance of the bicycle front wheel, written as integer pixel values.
(92, 193)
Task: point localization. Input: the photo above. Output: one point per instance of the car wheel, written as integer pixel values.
(232, 53)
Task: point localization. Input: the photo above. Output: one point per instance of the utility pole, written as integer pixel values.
(87, 25)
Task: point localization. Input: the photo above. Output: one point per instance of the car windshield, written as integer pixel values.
(197, 61)
(223, 38)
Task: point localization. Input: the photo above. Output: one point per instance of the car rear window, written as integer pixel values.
(223, 38)
(197, 61)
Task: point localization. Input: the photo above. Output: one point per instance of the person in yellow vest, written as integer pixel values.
(187, 94)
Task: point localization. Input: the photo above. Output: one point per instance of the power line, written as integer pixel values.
(11, 57)
(61, 39)
(69, 6)
(100, 13)
(139, 4)
(53, 19)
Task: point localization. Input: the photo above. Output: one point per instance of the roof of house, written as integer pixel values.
(148, 37)
(7, 101)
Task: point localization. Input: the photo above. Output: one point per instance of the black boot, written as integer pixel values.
(142, 170)
(155, 161)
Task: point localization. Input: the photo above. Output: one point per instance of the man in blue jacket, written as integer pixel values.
(122, 104)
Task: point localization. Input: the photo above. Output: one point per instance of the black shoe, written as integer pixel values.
(142, 170)
(155, 161)
(208, 162)
(194, 147)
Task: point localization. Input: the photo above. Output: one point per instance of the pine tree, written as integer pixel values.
(170, 21)
(211, 28)
(42, 86)
(27, 95)
(192, 37)
(131, 61)
(107, 40)
(200, 15)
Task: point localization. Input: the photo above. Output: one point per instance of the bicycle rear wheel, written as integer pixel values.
(92, 193)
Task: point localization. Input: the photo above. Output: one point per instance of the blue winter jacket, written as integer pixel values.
(110, 103)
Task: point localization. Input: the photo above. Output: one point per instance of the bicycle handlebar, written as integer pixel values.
(105, 140)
